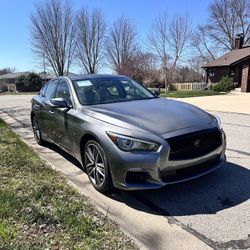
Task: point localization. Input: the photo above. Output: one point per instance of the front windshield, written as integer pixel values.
(109, 90)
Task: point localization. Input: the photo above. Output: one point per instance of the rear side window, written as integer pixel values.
(50, 90)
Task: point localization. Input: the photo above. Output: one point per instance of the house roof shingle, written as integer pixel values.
(15, 75)
(229, 58)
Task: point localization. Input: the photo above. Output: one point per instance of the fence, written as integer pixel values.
(190, 86)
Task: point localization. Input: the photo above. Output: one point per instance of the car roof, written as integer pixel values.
(92, 76)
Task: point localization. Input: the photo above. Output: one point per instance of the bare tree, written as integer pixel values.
(179, 34)
(203, 45)
(141, 66)
(227, 18)
(170, 39)
(53, 34)
(121, 44)
(158, 41)
(91, 29)
(195, 64)
(185, 74)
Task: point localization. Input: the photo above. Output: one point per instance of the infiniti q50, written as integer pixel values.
(124, 135)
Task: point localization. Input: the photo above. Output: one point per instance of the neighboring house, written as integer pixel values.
(9, 79)
(46, 77)
(235, 64)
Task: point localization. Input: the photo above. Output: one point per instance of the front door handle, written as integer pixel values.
(51, 112)
(37, 106)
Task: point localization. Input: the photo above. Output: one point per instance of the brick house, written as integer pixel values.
(235, 64)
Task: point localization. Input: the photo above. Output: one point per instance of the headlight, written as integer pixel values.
(218, 121)
(126, 143)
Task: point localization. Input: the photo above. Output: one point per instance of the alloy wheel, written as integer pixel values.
(95, 165)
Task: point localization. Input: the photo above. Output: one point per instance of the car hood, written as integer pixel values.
(158, 115)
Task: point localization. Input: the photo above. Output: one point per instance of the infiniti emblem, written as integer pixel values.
(197, 143)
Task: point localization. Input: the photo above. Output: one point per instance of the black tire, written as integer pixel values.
(96, 166)
(37, 131)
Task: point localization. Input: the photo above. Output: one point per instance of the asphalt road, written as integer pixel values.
(210, 212)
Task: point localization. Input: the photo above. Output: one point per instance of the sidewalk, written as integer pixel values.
(233, 102)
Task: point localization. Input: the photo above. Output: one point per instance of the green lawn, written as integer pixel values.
(39, 210)
(194, 93)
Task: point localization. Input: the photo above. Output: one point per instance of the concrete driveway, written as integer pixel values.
(210, 212)
(236, 102)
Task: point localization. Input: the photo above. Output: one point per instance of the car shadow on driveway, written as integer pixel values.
(219, 190)
(64, 154)
(226, 187)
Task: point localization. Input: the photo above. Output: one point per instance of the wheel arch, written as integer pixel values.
(84, 139)
(32, 114)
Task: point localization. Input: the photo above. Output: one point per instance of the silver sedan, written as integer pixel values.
(124, 135)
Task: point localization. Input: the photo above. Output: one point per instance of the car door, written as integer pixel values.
(37, 104)
(61, 117)
(45, 108)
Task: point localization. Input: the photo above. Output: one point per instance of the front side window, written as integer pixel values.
(63, 91)
(109, 90)
(51, 87)
(43, 90)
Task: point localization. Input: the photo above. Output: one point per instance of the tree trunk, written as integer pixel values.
(166, 84)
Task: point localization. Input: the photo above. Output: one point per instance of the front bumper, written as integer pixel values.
(151, 170)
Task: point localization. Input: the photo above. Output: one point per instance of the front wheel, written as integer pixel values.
(96, 166)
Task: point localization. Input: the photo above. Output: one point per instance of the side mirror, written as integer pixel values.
(156, 92)
(59, 102)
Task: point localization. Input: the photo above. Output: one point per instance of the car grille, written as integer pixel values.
(197, 169)
(194, 144)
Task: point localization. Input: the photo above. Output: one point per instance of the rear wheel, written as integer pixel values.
(37, 131)
(96, 166)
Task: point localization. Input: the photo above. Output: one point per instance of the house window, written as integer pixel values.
(211, 74)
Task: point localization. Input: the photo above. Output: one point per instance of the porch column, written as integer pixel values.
(245, 82)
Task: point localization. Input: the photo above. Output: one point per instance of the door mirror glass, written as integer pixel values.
(59, 102)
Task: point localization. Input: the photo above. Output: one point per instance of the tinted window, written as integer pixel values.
(50, 90)
(108, 90)
(63, 91)
(43, 90)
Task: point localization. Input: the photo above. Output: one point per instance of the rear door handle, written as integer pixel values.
(51, 112)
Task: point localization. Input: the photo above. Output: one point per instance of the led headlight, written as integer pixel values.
(126, 143)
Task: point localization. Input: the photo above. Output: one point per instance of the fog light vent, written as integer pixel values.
(136, 177)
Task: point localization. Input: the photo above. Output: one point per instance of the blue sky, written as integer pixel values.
(15, 48)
